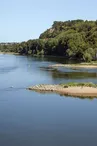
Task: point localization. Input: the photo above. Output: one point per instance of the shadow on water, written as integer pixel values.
(69, 73)
(57, 59)
(68, 96)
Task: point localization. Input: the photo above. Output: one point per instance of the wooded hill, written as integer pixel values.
(71, 39)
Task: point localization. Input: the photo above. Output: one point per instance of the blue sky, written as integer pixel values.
(21, 20)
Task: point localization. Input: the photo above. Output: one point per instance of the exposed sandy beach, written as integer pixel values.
(75, 65)
(73, 91)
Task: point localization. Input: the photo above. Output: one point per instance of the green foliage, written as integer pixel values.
(83, 84)
(71, 39)
(87, 57)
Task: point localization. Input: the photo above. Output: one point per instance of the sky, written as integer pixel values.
(21, 20)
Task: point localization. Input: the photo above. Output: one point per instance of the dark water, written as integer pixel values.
(31, 119)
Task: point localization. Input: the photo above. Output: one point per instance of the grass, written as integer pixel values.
(83, 84)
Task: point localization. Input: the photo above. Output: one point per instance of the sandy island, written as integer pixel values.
(87, 65)
(72, 91)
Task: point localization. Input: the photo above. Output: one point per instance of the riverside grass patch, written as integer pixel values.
(74, 84)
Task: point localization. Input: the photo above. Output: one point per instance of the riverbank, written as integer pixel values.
(76, 89)
(81, 65)
(10, 53)
(92, 64)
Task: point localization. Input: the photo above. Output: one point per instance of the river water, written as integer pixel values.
(28, 118)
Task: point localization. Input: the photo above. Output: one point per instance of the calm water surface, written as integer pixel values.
(31, 119)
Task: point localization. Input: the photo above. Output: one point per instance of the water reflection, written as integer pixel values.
(68, 96)
(33, 119)
(68, 73)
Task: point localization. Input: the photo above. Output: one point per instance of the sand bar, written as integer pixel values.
(75, 65)
(72, 91)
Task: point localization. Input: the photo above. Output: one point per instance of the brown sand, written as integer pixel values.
(73, 91)
(75, 65)
(80, 91)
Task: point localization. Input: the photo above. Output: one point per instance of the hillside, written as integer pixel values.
(71, 39)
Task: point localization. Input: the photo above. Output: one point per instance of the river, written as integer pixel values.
(29, 118)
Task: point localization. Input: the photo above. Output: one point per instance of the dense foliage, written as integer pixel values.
(71, 39)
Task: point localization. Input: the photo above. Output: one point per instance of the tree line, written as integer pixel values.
(71, 39)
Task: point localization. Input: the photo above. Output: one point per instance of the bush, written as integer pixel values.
(87, 57)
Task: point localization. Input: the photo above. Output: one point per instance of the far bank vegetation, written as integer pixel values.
(71, 39)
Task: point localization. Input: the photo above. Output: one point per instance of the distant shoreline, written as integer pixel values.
(90, 65)
(81, 65)
(12, 53)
